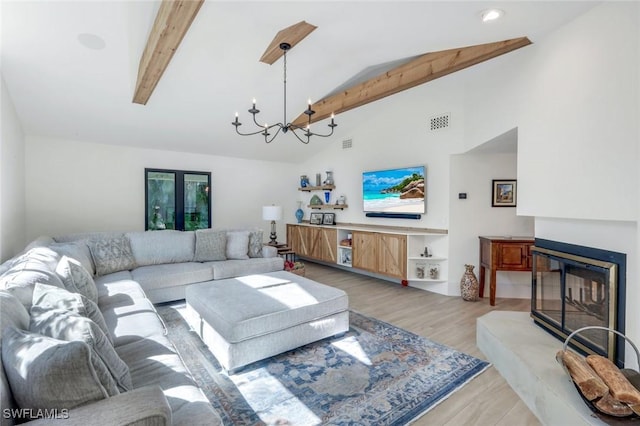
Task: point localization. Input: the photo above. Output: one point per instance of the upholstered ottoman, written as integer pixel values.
(246, 319)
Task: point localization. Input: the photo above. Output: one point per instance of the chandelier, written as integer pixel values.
(305, 131)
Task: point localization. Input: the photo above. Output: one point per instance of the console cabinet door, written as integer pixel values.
(392, 255)
(365, 250)
(327, 245)
(299, 239)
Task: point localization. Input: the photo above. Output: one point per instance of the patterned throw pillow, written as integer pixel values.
(237, 245)
(255, 243)
(210, 245)
(69, 326)
(112, 255)
(59, 298)
(47, 373)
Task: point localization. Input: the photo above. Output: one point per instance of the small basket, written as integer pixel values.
(631, 375)
(299, 271)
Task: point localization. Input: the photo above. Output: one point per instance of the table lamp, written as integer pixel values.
(272, 213)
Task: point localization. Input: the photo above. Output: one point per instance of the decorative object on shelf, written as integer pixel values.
(426, 253)
(345, 257)
(469, 285)
(434, 271)
(341, 201)
(420, 267)
(264, 130)
(315, 201)
(504, 193)
(315, 219)
(329, 179)
(327, 196)
(318, 179)
(304, 181)
(272, 213)
(299, 212)
(328, 218)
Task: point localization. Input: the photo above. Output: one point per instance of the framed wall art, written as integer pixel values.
(504, 193)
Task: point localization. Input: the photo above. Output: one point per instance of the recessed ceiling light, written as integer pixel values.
(491, 15)
(91, 41)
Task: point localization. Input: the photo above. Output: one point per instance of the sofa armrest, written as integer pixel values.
(269, 251)
(146, 406)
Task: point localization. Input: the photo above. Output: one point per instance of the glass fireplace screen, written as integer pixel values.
(570, 292)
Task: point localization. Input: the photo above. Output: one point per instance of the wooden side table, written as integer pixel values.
(503, 254)
(284, 251)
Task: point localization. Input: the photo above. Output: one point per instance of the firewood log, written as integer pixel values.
(590, 384)
(613, 407)
(619, 387)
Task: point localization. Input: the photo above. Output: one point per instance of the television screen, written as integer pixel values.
(395, 190)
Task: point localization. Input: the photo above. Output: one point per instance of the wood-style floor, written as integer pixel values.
(487, 399)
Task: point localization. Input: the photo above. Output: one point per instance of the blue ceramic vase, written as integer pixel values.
(299, 213)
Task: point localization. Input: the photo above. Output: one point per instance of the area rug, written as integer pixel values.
(375, 374)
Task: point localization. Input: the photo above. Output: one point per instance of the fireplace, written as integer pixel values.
(576, 286)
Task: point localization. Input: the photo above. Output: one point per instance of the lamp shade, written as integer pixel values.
(271, 212)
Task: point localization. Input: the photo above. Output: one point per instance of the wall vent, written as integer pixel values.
(347, 143)
(440, 121)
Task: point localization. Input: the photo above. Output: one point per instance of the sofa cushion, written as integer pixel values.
(66, 325)
(47, 373)
(133, 321)
(111, 254)
(121, 291)
(154, 361)
(76, 278)
(211, 244)
(237, 245)
(53, 297)
(76, 250)
(12, 314)
(35, 266)
(237, 268)
(158, 247)
(171, 275)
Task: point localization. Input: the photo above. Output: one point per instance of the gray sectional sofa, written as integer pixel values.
(81, 339)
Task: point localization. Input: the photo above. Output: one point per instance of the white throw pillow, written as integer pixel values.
(58, 298)
(76, 278)
(237, 245)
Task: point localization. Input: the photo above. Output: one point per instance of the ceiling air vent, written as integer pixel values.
(347, 143)
(440, 122)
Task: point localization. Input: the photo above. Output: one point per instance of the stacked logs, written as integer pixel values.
(601, 382)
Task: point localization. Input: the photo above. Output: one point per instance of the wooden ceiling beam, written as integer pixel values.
(292, 35)
(422, 69)
(172, 22)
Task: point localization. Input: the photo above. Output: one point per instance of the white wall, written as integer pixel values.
(12, 179)
(472, 217)
(578, 123)
(394, 132)
(77, 187)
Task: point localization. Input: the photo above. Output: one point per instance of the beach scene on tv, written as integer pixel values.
(394, 191)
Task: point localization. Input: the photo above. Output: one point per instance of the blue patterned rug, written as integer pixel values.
(376, 374)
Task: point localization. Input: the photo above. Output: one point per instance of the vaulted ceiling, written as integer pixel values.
(72, 67)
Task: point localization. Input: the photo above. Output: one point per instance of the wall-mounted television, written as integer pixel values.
(394, 190)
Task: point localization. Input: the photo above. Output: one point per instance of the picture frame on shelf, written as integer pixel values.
(328, 218)
(504, 193)
(316, 218)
